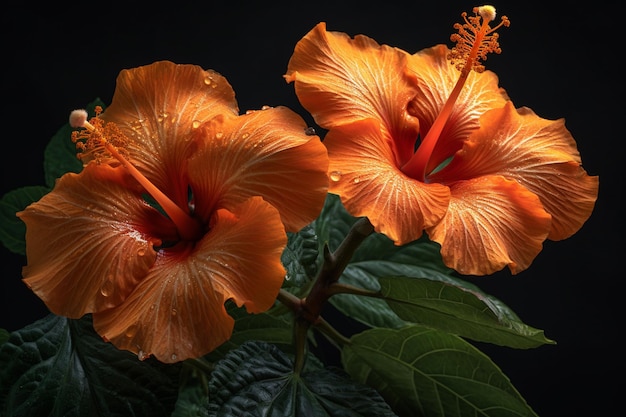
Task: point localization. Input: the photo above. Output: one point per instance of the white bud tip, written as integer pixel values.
(487, 12)
(78, 118)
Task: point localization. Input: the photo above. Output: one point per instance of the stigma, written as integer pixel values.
(105, 143)
(475, 39)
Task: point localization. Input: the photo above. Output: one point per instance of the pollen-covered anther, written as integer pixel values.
(475, 39)
(92, 141)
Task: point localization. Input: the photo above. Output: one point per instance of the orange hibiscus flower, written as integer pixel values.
(417, 144)
(182, 204)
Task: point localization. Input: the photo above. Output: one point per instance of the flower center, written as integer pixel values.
(104, 141)
(474, 40)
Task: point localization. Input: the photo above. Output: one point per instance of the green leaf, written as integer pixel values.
(193, 397)
(371, 311)
(333, 223)
(60, 153)
(4, 336)
(262, 327)
(12, 229)
(425, 372)
(61, 367)
(378, 257)
(458, 310)
(300, 257)
(257, 380)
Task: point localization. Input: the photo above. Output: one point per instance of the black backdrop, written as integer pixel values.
(560, 61)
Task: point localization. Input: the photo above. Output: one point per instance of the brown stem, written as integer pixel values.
(334, 264)
(307, 311)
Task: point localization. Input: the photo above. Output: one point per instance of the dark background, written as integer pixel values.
(560, 61)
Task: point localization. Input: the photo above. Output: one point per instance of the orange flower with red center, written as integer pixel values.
(417, 144)
(182, 205)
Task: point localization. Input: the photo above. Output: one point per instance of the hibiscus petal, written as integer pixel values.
(158, 106)
(86, 247)
(178, 311)
(363, 172)
(540, 154)
(263, 153)
(437, 78)
(492, 222)
(340, 80)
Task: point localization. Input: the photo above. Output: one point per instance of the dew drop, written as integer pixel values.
(131, 331)
(141, 355)
(356, 180)
(162, 116)
(141, 251)
(335, 175)
(107, 288)
(174, 312)
(195, 124)
(219, 135)
(136, 124)
(208, 80)
(174, 356)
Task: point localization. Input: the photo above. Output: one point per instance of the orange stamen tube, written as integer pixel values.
(188, 227)
(471, 45)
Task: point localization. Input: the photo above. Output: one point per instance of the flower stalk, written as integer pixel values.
(308, 309)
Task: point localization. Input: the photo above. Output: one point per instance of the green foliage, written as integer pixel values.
(261, 327)
(425, 372)
(459, 311)
(61, 367)
(4, 336)
(258, 380)
(300, 257)
(12, 229)
(193, 396)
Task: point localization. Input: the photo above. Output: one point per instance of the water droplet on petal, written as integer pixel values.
(195, 124)
(174, 356)
(174, 312)
(131, 331)
(141, 355)
(107, 288)
(335, 175)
